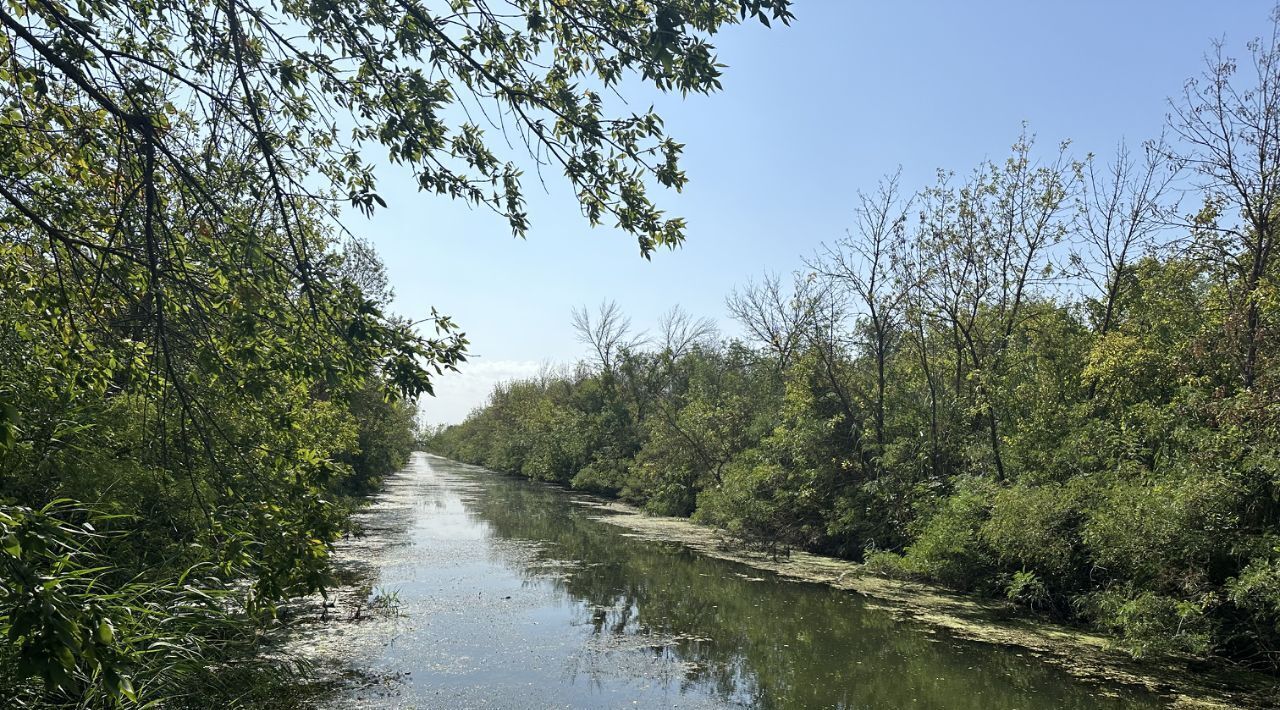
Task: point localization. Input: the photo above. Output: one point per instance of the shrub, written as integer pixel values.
(1026, 588)
(889, 564)
(949, 547)
(1035, 529)
(606, 476)
(1148, 624)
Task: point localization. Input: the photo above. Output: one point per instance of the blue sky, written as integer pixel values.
(809, 115)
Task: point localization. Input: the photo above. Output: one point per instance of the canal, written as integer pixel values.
(492, 591)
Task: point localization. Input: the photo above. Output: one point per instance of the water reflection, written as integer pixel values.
(513, 596)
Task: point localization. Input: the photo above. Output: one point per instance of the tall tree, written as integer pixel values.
(1122, 209)
(988, 247)
(863, 266)
(1229, 131)
(774, 315)
(608, 333)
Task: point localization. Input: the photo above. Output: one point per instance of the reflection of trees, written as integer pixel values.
(763, 644)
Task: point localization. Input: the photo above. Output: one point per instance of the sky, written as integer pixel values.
(809, 115)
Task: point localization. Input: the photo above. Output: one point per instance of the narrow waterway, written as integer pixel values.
(509, 594)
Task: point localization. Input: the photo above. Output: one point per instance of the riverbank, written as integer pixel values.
(1083, 654)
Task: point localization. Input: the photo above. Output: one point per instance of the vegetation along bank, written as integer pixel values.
(1052, 379)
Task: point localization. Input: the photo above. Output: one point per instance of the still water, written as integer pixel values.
(512, 595)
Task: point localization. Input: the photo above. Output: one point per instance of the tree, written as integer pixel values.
(140, 138)
(1230, 137)
(775, 318)
(680, 332)
(607, 333)
(1122, 211)
(281, 83)
(864, 265)
(987, 246)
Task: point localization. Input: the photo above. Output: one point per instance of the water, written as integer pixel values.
(511, 595)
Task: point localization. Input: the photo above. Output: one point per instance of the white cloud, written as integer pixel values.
(457, 393)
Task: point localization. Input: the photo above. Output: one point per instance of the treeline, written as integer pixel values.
(1051, 380)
